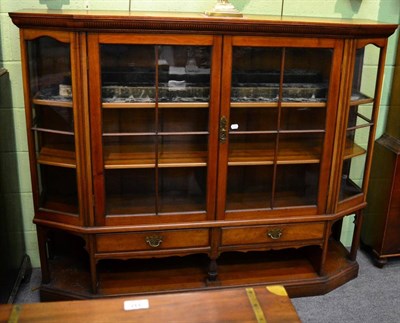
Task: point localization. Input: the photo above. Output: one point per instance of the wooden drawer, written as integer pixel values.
(152, 240)
(272, 233)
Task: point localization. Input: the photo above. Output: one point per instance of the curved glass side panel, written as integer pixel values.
(52, 124)
(361, 122)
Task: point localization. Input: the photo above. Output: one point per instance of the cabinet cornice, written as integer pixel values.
(199, 23)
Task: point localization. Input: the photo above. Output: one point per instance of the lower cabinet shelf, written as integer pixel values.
(294, 268)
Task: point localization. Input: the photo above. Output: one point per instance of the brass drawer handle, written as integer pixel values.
(274, 234)
(154, 241)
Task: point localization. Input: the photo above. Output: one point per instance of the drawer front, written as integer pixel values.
(152, 240)
(272, 233)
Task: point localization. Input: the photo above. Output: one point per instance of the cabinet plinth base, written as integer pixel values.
(379, 260)
(291, 268)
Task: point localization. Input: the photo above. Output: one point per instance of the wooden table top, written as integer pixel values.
(258, 304)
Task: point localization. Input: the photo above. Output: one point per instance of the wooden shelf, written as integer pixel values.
(290, 152)
(187, 155)
(176, 274)
(63, 204)
(262, 201)
(49, 97)
(53, 103)
(310, 104)
(348, 189)
(353, 150)
(58, 155)
(144, 155)
(152, 105)
(358, 98)
(145, 205)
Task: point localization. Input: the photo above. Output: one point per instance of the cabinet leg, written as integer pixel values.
(93, 273)
(380, 262)
(212, 271)
(43, 253)
(93, 265)
(356, 236)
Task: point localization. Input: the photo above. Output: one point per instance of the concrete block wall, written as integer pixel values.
(15, 188)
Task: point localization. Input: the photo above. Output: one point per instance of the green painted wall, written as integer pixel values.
(15, 189)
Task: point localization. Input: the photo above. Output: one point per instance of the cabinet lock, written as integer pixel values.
(274, 234)
(154, 241)
(223, 132)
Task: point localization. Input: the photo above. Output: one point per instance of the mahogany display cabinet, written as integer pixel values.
(173, 152)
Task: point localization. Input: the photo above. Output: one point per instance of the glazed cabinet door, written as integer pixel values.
(275, 139)
(362, 107)
(154, 104)
(52, 102)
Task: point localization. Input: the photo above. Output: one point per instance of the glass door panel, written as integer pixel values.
(303, 118)
(120, 121)
(306, 74)
(361, 121)
(185, 150)
(249, 187)
(129, 151)
(130, 191)
(301, 148)
(182, 189)
(155, 116)
(128, 73)
(253, 119)
(52, 124)
(251, 149)
(255, 74)
(296, 185)
(277, 126)
(252, 128)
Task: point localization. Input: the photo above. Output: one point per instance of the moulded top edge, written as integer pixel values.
(184, 21)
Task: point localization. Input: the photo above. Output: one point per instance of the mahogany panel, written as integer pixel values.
(152, 240)
(272, 234)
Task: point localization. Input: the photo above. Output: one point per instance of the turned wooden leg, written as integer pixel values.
(212, 271)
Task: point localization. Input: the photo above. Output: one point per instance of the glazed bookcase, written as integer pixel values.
(173, 152)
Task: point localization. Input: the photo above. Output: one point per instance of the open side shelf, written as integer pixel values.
(292, 268)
